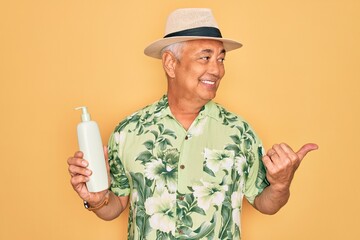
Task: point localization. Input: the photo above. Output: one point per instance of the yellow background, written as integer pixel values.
(295, 80)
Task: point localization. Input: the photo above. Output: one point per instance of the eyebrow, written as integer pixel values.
(211, 51)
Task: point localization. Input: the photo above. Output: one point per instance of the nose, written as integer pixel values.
(216, 68)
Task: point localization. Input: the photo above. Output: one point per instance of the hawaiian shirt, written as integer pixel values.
(185, 184)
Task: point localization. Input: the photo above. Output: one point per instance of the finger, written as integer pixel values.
(106, 153)
(78, 182)
(75, 170)
(270, 152)
(306, 149)
(290, 153)
(267, 162)
(106, 159)
(78, 161)
(280, 154)
(79, 154)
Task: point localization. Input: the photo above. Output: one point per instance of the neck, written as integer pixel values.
(184, 111)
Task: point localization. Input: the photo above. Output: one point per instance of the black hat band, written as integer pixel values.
(197, 32)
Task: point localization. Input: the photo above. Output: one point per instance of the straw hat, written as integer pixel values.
(189, 24)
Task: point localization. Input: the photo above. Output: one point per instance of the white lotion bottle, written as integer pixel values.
(90, 144)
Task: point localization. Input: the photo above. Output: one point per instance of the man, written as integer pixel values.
(184, 163)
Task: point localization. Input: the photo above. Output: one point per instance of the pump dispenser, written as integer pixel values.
(90, 144)
(85, 116)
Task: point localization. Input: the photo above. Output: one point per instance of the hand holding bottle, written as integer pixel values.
(90, 144)
(88, 167)
(80, 175)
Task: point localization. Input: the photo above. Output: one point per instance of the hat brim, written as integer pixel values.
(154, 49)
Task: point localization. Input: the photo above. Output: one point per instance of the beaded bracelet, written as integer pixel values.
(105, 202)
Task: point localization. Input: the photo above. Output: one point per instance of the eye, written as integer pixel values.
(221, 60)
(206, 58)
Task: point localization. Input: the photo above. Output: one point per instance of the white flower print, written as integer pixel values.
(134, 196)
(160, 208)
(208, 194)
(198, 128)
(217, 160)
(119, 139)
(162, 174)
(236, 199)
(240, 165)
(153, 168)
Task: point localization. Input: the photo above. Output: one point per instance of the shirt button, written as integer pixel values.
(180, 231)
(187, 136)
(181, 198)
(182, 166)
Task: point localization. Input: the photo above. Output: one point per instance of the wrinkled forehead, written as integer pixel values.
(204, 45)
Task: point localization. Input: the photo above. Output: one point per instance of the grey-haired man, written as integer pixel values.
(184, 163)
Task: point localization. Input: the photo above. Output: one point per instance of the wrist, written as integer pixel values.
(279, 188)
(103, 202)
(279, 193)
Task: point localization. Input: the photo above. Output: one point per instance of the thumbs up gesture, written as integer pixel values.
(281, 163)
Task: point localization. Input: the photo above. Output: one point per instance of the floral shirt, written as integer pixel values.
(185, 184)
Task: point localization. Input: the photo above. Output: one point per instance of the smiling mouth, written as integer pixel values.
(208, 82)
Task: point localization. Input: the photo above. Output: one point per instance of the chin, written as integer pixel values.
(209, 97)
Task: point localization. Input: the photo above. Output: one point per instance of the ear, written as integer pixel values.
(169, 63)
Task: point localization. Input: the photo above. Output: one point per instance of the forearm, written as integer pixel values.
(116, 205)
(271, 200)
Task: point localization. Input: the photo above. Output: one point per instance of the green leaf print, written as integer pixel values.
(226, 213)
(121, 181)
(149, 145)
(198, 210)
(155, 133)
(164, 143)
(144, 157)
(124, 123)
(206, 230)
(208, 170)
(160, 127)
(142, 219)
(233, 147)
(247, 143)
(141, 130)
(186, 207)
(226, 116)
(187, 221)
(170, 133)
(236, 139)
(139, 185)
(162, 104)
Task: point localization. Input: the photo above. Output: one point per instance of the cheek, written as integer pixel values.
(195, 70)
(222, 70)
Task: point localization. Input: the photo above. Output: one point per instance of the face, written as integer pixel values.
(199, 70)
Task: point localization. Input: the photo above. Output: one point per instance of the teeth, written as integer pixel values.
(208, 82)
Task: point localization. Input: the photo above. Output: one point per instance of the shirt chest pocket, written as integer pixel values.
(217, 165)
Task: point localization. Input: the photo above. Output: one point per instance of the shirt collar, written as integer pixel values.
(210, 109)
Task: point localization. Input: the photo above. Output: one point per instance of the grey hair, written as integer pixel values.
(175, 48)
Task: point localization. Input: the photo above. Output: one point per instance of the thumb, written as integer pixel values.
(106, 154)
(305, 149)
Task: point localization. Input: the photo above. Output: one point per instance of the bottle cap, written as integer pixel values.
(85, 116)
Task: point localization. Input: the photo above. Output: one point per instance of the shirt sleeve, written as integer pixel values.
(256, 180)
(119, 180)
